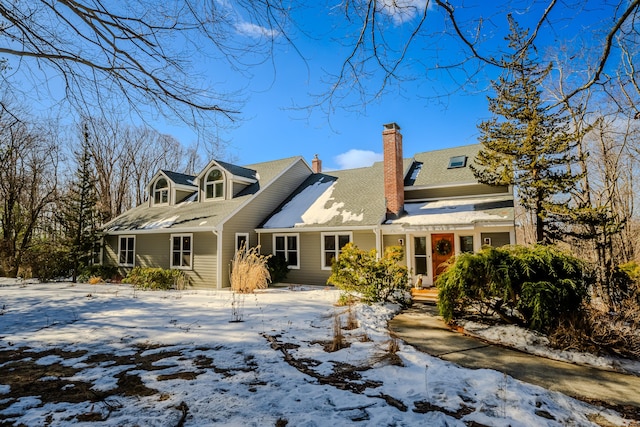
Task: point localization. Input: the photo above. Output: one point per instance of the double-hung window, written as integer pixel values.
(286, 246)
(181, 251)
(126, 251)
(332, 245)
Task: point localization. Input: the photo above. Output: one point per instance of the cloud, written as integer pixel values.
(357, 159)
(256, 31)
(402, 11)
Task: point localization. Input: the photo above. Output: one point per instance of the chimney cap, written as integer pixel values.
(391, 126)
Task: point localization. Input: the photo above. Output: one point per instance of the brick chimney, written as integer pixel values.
(316, 164)
(393, 170)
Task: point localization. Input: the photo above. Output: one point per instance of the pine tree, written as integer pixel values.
(80, 213)
(526, 143)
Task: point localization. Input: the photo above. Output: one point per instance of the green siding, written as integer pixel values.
(204, 270)
(392, 240)
(365, 240)
(310, 253)
(252, 214)
(497, 239)
(153, 250)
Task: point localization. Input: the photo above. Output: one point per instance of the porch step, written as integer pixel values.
(425, 295)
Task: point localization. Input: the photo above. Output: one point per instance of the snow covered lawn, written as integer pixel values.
(112, 356)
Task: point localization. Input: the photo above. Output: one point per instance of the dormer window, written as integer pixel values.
(214, 185)
(161, 192)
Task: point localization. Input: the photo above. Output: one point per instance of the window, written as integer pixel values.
(286, 245)
(332, 245)
(242, 240)
(181, 252)
(214, 185)
(126, 251)
(457, 162)
(96, 253)
(161, 191)
(420, 255)
(466, 243)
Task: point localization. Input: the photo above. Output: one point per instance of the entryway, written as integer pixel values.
(442, 248)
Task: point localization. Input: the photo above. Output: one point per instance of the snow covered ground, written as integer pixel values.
(111, 355)
(534, 343)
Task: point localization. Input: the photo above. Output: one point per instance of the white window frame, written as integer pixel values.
(160, 191)
(286, 248)
(337, 250)
(213, 184)
(246, 237)
(181, 267)
(133, 250)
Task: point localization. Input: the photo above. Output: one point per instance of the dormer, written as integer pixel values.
(222, 181)
(168, 188)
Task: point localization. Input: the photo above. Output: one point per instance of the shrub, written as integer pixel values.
(249, 270)
(278, 268)
(46, 262)
(357, 272)
(534, 287)
(156, 278)
(93, 280)
(106, 272)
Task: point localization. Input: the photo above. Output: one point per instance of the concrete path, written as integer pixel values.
(422, 327)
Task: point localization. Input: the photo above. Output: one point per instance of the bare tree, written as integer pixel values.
(139, 53)
(456, 41)
(151, 151)
(29, 156)
(125, 157)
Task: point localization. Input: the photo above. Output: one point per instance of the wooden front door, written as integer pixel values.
(442, 248)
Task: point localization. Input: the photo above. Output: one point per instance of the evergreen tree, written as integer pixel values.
(80, 213)
(526, 143)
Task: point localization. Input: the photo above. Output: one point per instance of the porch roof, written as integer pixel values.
(457, 212)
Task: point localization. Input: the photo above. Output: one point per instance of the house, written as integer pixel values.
(431, 204)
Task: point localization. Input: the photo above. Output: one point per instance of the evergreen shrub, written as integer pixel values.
(359, 274)
(278, 268)
(533, 287)
(156, 278)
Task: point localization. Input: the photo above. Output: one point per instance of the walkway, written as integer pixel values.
(422, 327)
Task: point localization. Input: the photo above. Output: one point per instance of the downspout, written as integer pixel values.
(377, 231)
(218, 233)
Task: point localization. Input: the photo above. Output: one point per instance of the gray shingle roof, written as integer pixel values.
(353, 197)
(190, 214)
(179, 178)
(434, 167)
(238, 170)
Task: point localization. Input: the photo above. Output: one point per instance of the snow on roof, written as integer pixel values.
(310, 206)
(161, 223)
(456, 211)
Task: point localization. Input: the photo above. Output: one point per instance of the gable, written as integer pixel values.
(193, 215)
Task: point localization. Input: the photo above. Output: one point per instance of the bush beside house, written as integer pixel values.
(360, 275)
(533, 287)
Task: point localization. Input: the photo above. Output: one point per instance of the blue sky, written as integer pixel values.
(272, 127)
(432, 114)
(432, 110)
